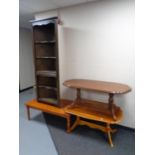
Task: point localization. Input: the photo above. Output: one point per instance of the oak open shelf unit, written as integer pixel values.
(45, 43)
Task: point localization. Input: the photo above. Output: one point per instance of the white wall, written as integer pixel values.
(97, 42)
(26, 67)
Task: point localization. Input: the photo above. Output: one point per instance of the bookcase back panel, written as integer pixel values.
(47, 81)
(46, 50)
(44, 33)
(44, 92)
(46, 64)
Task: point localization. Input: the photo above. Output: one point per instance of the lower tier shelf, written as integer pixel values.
(94, 110)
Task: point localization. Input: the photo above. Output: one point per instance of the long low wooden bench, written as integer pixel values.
(58, 111)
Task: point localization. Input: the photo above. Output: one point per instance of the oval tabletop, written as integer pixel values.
(106, 87)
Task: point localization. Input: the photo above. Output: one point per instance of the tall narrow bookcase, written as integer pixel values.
(45, 45)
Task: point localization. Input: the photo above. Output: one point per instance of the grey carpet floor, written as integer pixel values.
(86, 141)
(35, 139)
(34, 136)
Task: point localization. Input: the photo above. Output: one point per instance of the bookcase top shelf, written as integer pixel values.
(42, 22)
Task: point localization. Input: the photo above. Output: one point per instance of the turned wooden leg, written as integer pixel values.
(109, 135)
(28, 112)
(68, 123)
(111, 108)
(78, 94)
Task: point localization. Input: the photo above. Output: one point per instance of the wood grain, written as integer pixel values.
(102, 86)
(94, 110)
(49, 108)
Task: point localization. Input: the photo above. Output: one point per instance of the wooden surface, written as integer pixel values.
(107, 87)
(94, 110)
(49, 108)
(87, 109)
(46, 61)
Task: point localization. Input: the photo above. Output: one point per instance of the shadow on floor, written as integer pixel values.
(86, 141)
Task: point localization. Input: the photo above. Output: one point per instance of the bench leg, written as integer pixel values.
(68, 123)
(28, 112)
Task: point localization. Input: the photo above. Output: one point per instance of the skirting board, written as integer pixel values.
(25, 89)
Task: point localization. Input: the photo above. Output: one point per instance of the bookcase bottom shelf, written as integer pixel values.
(48, 100)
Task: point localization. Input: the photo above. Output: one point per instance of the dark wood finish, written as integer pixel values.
(45, 50)
(46, 73)
(47, 81)
(78, 95)
(50, 109)
(46, 64)
(106, 87)
(111, 106)
(110, 88)
(45, 45)
(44, 33)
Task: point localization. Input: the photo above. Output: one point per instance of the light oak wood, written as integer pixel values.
(94, 110)
(97, 111)
(107, 113)
(109, 135)
(58, 111)
(107, 129)
(46, 107)
(76, 123)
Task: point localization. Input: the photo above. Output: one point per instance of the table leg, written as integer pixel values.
(28, 112)
(109, 135)
(75, 123)
(111, 100)
(78, 95)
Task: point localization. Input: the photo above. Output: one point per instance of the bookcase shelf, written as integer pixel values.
(45, 50)
(48, 100)
(47, 81)
(46, 64)
(45, 40)
(46, 57)
(47, 87)
(46, 73)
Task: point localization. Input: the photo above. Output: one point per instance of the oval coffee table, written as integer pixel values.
(107, 113)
